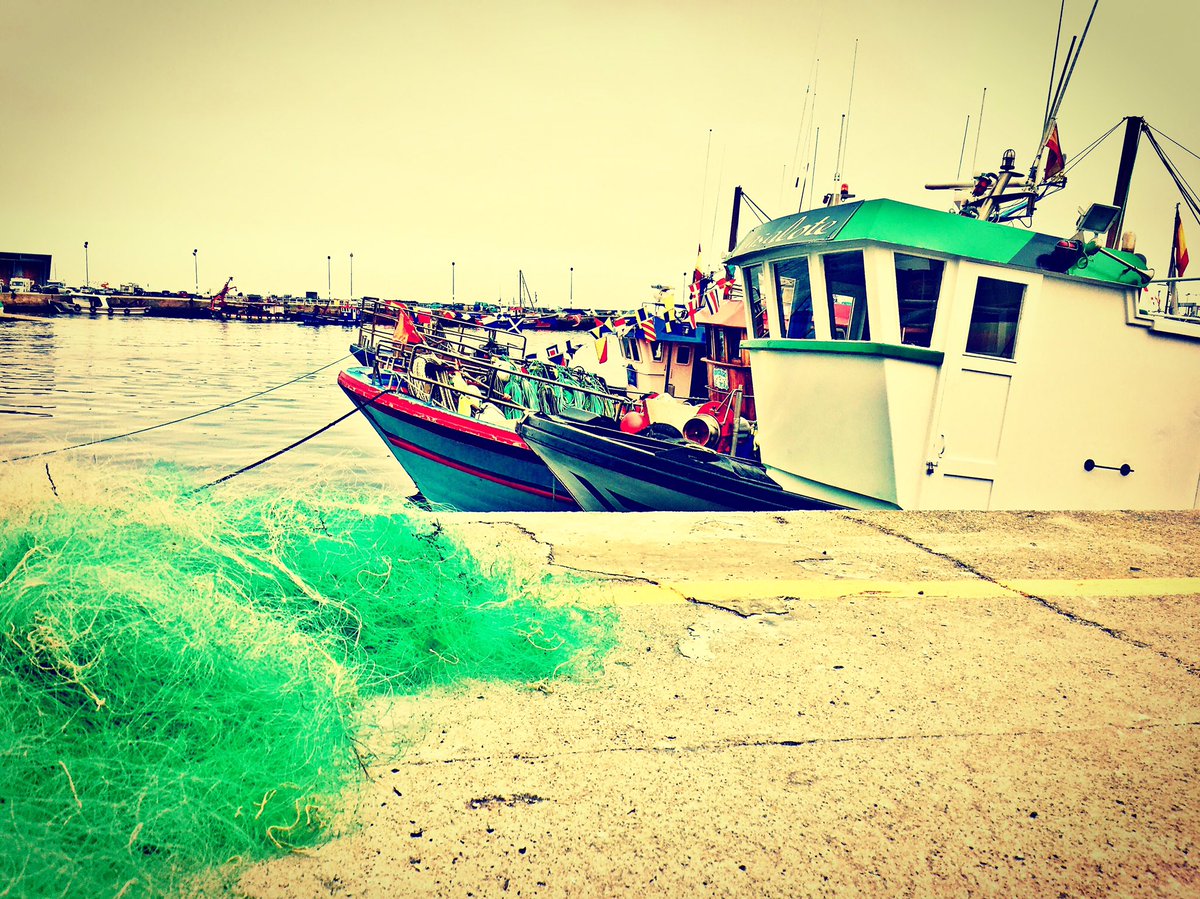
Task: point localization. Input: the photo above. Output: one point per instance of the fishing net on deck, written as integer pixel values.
(183, 678)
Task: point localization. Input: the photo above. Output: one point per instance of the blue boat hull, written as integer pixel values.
(454, 460)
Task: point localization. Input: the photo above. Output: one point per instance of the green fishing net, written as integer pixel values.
(184, 678)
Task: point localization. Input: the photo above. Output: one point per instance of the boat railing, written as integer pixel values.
(378, 320)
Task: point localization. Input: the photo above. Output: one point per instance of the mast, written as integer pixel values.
(733, 225)
(1133, 132)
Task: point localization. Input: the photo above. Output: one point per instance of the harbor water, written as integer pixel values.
(67, 381)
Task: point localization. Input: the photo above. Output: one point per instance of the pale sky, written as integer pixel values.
(539, 136)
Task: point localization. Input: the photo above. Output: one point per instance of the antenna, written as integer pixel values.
(1054, 62)
(800, 128)
(816, 143)
(717, 196)
(1055, 103)
(846, 117)
(704, 188)
(963, 151)
(978, 131)
(837, 161)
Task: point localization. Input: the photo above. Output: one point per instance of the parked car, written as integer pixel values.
(54, 287)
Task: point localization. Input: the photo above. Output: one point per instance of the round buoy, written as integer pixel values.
(634, 422)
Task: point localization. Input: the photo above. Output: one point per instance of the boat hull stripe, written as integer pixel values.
(476, 472)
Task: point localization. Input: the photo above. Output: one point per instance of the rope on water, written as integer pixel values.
(291, 446)
(177, 420)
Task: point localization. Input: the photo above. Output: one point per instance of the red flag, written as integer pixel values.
(1179, 251)
(406, 331)
(1054, 155)
(692, 308)
(602, 349)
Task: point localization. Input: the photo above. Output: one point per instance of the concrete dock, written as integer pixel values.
(813, 704)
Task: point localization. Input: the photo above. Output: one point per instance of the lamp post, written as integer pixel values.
(87, 281)
(196, 264)
(452, 282)
(572, 292)
(329, 278)
(351, 277)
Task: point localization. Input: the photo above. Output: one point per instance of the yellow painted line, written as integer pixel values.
(967, 588)
(641, 594)
(1132, 586)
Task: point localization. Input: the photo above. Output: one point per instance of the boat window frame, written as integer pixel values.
(1024, 287)
(683, 354)
(752, 284)
(786, 316)
(629, 348)
(860, 303)
(939, 295)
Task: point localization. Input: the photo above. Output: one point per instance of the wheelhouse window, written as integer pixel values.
(724, 344)
(656, 350)
(918, 283)
(994, 318)
(846, 285)
(683, 354)
(629, 349)
(754, 299)
(794, 290)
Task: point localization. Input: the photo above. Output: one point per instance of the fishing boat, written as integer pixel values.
(907, 358)
(85, 303)
(661, 354)
(344, 315)
(445, 396)
(609, 470)
(455, 460)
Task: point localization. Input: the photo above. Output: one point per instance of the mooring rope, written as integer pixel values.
(358, 404)
(177, 420)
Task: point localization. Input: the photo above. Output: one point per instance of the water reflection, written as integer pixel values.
(75, 380)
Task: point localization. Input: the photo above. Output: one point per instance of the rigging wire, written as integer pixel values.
(755, 208)
(1092, 146)
(1189, 195)
(1172, 140)
(177, 420)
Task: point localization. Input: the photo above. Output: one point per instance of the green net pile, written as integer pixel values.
(183, 678)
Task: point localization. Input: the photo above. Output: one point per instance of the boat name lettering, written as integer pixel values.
(796, 229)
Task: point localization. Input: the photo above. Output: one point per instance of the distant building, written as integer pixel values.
(34, 266)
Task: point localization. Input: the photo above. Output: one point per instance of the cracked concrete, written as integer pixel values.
(821, 704)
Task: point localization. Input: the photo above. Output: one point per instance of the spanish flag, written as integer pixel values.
(1055, 161)
(1179, 253)
(695, 289)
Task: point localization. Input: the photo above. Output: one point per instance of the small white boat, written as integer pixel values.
(83, 303)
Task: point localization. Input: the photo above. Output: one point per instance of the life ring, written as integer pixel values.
(419, 382)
